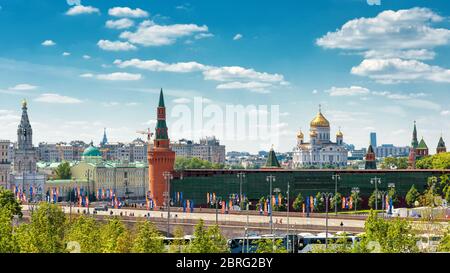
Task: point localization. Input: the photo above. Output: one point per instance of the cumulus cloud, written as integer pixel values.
(115, 46)
(66, 54)
(237, 37)
(445, 113)
(48, 43)
(80, 9)
(399, 70)
(56, 98)
(259, 87)
(151, 34)
(120, 24)
(86, 57)
(232, 77)
(347, 91)
(403, 29)
(155, 65)
(118, 76)
(22, 87)
(127, 12)
(203, 36)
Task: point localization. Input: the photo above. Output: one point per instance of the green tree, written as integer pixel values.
(444, 244)
(270, 246)
(338, 198)
(356, 199)
(412, 196)
(7, 244)
(320, 202)
(45, 232)
(395, 163)
(148, 239)
(207, 240)
(183, 163)
(63, 171)
(372, 200)
(115, 237)
(438, 161)
(393, 236)
(298, 202)
(178, 245)
(9, 202)
(217, 242)
(86, 232)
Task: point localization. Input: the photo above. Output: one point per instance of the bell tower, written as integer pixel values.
(161, 158)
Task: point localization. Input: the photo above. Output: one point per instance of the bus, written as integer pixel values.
(307, 243)
(250, 244)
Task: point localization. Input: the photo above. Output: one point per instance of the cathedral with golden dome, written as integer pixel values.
(320, 151)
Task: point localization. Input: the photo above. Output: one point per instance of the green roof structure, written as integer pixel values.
(272, 161)
(422, 144)
(92, 151)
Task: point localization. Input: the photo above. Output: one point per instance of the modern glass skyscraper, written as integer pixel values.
(373, 139)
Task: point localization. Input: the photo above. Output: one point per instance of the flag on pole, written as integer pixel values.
(350, 205)
(223, 207)
(207, 198)
(303, 207)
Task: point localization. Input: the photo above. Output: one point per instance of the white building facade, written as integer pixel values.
(320, 151)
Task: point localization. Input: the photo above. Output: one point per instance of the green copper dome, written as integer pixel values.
(91, 151)
(422, 145)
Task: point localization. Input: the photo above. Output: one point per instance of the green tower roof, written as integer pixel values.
(161, 99)
(272, 161)
(441, 143)
(422, 145)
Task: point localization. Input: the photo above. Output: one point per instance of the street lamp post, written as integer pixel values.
(355, 192)
(383, 201)
(376, 181)
(391, 186)
(271, 179)
(336, 177)
(218, 199)
(241, 176)
(326, 196)
(287, 216)
(168, 176)
(88, 173)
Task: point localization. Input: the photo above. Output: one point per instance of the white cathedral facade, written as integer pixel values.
(320, 151)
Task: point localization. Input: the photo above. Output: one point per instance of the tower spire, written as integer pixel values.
(161, 126)
(414, 142)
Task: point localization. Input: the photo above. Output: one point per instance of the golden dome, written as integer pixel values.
(320, 121)
(24, 103)
(339, 134)
(300, 134)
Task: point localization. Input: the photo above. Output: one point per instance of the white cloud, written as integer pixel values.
(237, 37)
(66, 54)
(402, 29)
(87, 75)
(23, 87)
(233, 77)
(415, 54)
(445, 113)
(348, 91)
(127, 12)
(182, 100)
(237, 73)
(120, 24)
(80, 9)
(203, 36)
(151, 34)
(48, 43)
(115, 46)
(56, 98)
(86, 57)
(155, 65)
(398, 70)
(259, 87)
(119, 76)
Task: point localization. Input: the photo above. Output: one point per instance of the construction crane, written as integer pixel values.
(148, 133)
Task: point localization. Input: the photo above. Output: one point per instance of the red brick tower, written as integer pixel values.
(160, 158)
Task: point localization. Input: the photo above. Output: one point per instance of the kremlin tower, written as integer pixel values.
(371, 163)
(160, 157)
(441, 146)
(412, 151)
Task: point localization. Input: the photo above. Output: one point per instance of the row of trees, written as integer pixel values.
(438, 161)
(436, 191)
(183, 163)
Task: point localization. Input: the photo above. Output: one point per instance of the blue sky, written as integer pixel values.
(94, 64)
